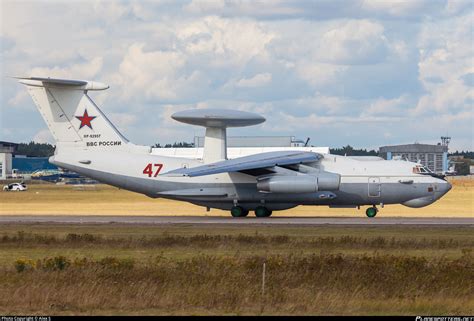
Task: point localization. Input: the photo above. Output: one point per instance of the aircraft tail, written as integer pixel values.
(72, 117)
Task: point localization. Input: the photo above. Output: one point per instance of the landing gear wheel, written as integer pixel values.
(238, 211)
(262, 212)
(371, 211)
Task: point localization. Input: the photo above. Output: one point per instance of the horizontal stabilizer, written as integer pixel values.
(69, 83)
(263, 160)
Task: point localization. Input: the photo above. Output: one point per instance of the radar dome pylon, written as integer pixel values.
(216, 122)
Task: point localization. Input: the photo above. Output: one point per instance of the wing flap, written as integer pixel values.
(246, 163)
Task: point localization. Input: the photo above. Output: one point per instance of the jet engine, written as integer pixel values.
(323, 181)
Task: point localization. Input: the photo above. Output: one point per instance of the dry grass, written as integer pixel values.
(296, 284)
(106, 200)
(132, 269)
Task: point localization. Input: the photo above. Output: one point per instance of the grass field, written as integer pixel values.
(186, 269)
(104, 200)
(208, 269)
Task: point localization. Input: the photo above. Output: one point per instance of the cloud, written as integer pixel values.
(150, 73)
(255, 81)
(229, 41)
(354, 42)
(402, 8)
(388, 107)
(445, 55)
(315, 120)
(203, 54)
(334, 70)
(454, 7)
(123, 120)
(262, 9)
(87, 70)
(44, 136)
(468, 79)
(19, 99)
(326, 9)
(110, 11)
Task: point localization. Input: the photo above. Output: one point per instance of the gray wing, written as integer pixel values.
(248, 163)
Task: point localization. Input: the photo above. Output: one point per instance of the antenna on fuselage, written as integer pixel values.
(216, 122)
(307, 141)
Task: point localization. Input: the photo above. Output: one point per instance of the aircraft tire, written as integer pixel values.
(371, 211)
(262, 211)
(238, 211)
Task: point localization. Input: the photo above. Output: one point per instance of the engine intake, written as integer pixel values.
(323, 181)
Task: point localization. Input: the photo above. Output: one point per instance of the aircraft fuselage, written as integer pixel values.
(362, 182)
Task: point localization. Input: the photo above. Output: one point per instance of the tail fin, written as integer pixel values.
(72, 117)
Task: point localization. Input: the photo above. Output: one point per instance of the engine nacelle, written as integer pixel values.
(323, 181)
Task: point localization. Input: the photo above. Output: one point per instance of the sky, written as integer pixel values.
(367, 73)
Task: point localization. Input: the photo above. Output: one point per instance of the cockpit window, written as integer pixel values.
(419, 169)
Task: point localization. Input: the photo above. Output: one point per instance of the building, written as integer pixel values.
(28, 165)
(435, 157)
(13, 166)
(256, 141)
(6, 154)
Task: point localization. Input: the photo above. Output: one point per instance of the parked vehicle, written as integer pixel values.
(18, 187)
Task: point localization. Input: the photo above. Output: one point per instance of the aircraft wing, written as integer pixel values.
(248, 163)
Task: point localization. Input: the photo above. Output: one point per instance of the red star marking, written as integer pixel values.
(85, 120)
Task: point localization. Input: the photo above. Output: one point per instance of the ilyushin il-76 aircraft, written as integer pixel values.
(261, 180)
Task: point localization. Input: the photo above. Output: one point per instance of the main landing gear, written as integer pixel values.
(238, 211)
(261, 211)
(371, 211)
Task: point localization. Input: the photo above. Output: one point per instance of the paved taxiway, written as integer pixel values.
(106, 219)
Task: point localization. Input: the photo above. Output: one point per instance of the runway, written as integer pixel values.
(209, 220)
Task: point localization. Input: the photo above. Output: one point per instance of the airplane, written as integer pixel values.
(53, 175)
(89, 144)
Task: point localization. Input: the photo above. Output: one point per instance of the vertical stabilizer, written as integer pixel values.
(71, 115)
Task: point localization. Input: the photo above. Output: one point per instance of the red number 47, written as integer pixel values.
(149, 169)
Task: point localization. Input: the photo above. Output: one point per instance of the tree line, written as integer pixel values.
(34, 149)
(351, 151)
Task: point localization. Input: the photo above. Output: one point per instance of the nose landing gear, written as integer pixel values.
(371, 211)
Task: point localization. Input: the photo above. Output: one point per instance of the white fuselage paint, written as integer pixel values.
(392, 181)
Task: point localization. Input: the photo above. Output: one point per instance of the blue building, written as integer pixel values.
(27, 165)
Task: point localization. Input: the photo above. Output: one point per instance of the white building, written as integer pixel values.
(6, 152)
(435, 157)
(257, 141)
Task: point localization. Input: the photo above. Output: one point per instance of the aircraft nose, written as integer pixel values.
(443, 188)
(447, 187)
